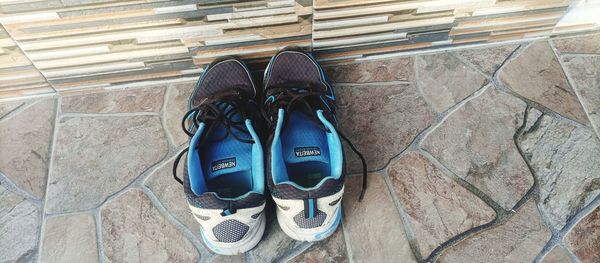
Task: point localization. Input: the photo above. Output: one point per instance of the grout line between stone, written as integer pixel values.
(520, 132)
(99, 238)
(498, 209)
(572, 256)
(504, 89)
(349, 252)
(124, 114)
(294, 252)
(370, 84)
(168, 93)
(29, 97)
(16, 109)
(470, 65)
(571, 222)
(406, 224)
(27, 103)
(202, 251)
(442, 116)
(13, 188)
(439, 118)
(571, 83)
(502, 215)
(51, 148)
(416, 71)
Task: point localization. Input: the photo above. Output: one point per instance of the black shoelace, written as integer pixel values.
(216, 111)
(306, 99)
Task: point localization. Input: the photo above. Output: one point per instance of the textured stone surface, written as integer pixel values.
(330, 250)
(274, 244)
(520, 239)
(557, 255)
(437, 207)
(97, 156)
(134, 231)
(445, 80)
(170, 194)
(584, 238)
(564, 158)
(589, 44)
(176, 106)
(7, 107)
(536, 75)
(24, 145)
(19, 228)
(70, 238)
(373, 225)
(487, 59)
(380, 120)
(585, 76)
(476, 143)
(228, 259)
(395, 69)
(116, 101)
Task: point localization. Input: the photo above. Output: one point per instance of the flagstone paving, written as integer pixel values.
(487, 154)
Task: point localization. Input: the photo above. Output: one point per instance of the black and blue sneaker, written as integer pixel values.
(223, 177)
(304, 160)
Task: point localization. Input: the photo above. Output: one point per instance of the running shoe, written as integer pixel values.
(304, 160)
(223, 178)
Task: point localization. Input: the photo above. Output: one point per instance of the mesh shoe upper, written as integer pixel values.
(314, 172)
(223, 178)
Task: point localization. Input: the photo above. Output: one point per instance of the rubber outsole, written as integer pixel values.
(306, 234)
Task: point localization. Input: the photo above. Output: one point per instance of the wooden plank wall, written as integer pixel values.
(82, 44)
(358, 27)
(77, 45)
(18, 77)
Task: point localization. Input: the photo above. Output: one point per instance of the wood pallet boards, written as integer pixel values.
(85, 44)
(352, 27)
(18, 76)
(106, 43)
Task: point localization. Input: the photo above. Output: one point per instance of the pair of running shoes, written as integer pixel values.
(286, 133)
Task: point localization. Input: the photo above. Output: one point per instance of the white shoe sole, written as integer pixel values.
(309, 235)
(239, 247)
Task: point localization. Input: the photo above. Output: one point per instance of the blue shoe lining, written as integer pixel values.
(227, 181)
(307, 172)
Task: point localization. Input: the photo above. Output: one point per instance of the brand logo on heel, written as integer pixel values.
(307, 151)
(222, 164)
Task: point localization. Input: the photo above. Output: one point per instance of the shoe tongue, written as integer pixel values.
(304, 140)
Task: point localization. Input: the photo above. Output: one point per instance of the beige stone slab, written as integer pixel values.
(133, 230)
(19, 227)
(94, 157)
(116, 101)
(381, 120)
(563, 157)
(25, 145)
(520, 239)
(588, 44)
(537, 75)
(584, 238)
(70, 238)
(476, 142)
(437, 207)
(584, 73)
(557, 255)
(375, 231)
(445, 80)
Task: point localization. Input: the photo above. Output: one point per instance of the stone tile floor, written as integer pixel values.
(476, 155)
